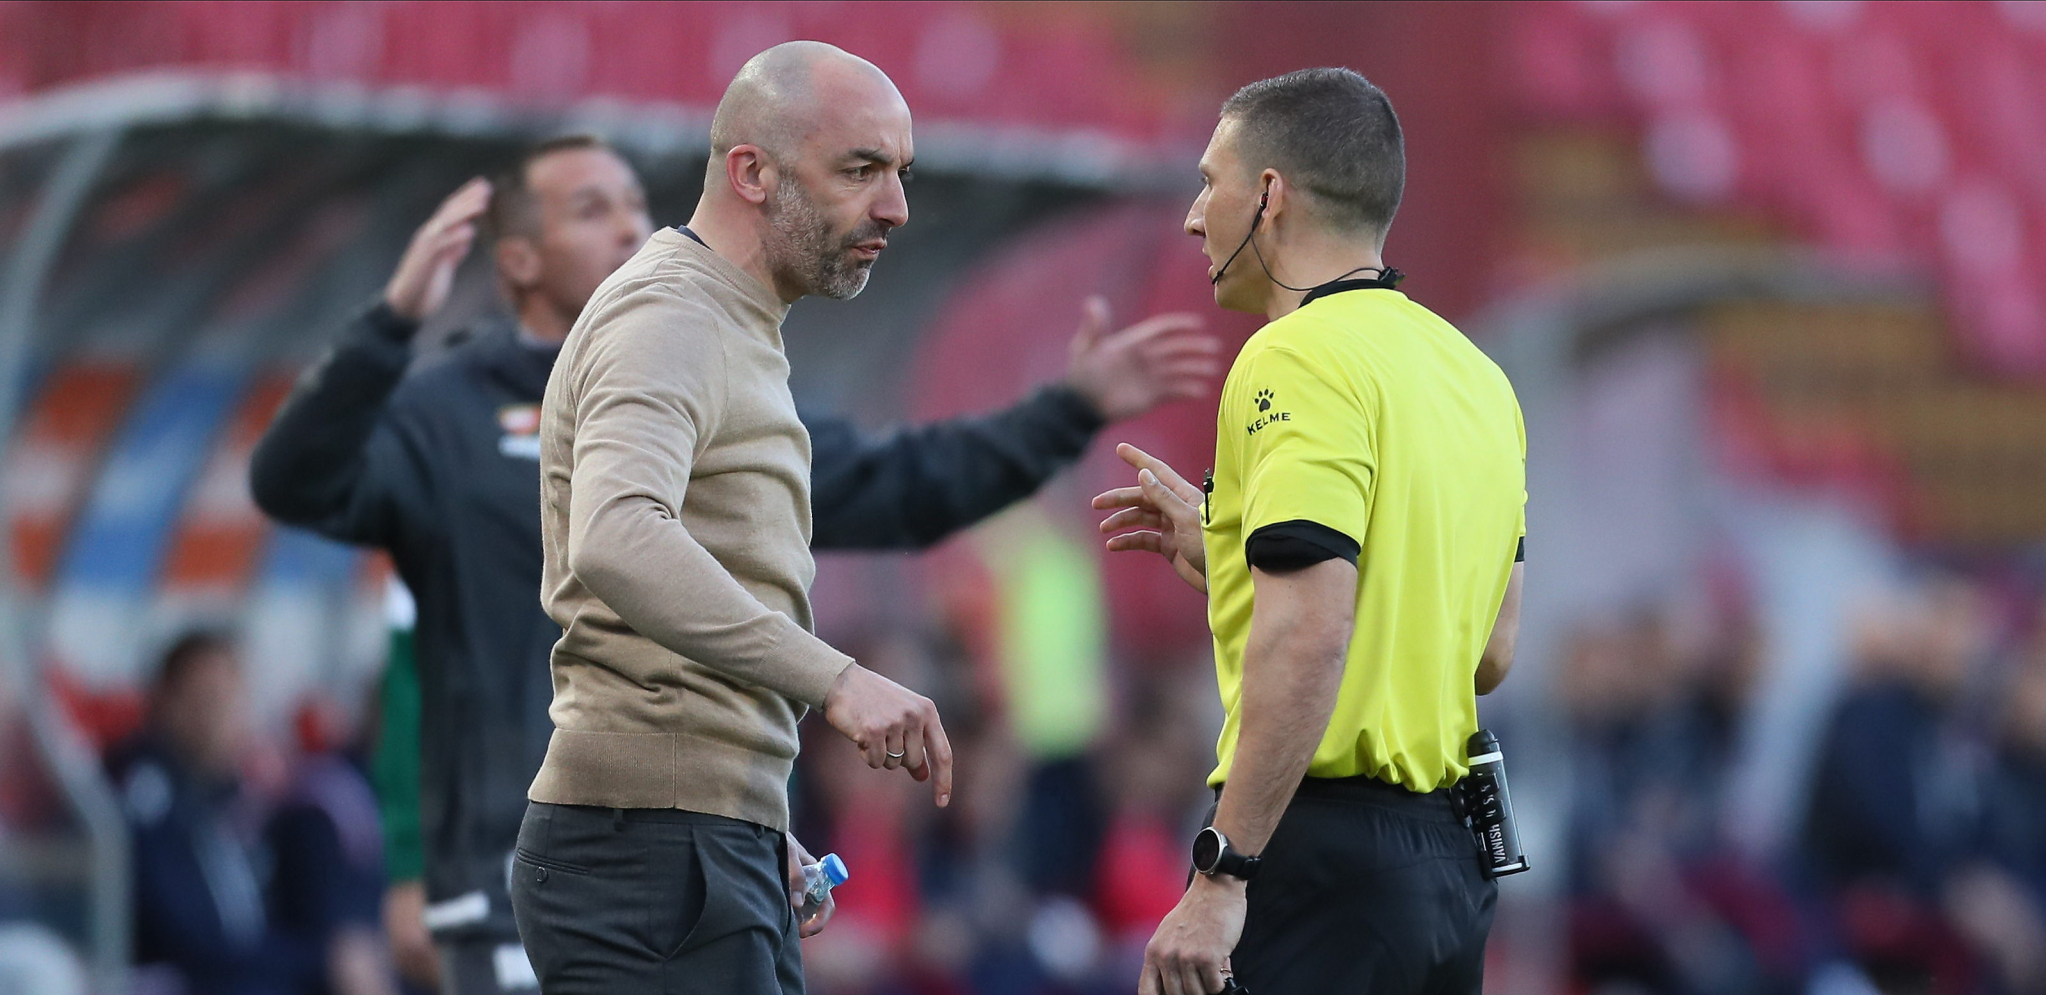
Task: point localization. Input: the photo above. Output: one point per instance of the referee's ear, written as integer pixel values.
(1276, 194)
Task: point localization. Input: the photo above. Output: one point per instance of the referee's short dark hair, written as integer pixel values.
(513, 210)
(1331, 133)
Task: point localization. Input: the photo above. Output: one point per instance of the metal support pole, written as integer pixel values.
(70, 759)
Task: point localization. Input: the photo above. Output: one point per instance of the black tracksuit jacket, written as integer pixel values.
(440, 468)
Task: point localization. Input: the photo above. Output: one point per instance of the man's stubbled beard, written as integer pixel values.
(806, 252)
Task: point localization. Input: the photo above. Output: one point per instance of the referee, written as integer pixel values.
(1359, 542)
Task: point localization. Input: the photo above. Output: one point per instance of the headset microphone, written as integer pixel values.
(1262, 199)
(1387, 277)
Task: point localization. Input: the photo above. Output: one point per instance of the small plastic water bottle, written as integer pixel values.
(818, 879)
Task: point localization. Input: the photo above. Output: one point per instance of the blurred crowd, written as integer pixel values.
(1918, 863)
(1915, 861)
(259, 870)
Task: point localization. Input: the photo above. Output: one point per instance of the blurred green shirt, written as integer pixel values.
(394, 769)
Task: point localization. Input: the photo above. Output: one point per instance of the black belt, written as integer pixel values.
(1372, 791)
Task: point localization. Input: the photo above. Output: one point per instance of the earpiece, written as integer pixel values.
(1386, 277)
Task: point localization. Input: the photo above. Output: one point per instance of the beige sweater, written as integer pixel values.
(675, 514)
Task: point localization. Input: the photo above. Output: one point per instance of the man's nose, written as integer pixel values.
(892, 207)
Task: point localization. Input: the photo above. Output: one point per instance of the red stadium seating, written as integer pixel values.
(1912, 135)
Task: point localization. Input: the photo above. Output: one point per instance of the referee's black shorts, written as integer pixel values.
(1366, 887)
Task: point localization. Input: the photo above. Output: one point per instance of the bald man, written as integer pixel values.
(675, 518)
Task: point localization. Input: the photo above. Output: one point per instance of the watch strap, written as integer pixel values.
(1237, 865)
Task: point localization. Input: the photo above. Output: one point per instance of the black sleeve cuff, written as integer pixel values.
(1296, 545)
(385, 323)
(1078, 411)
(1520, 551)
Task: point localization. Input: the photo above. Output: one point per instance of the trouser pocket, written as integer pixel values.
(580, 890)
(742, 939)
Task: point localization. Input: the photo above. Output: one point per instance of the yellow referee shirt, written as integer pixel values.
(1365, 413)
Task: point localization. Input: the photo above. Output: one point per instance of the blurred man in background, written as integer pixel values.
(230, 896)
(199, 910)
(440, 468)
(1358, 541)
(1898, 805)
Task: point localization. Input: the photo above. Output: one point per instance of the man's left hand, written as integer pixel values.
(1129, 371)
(797, 858)
(1189, 955)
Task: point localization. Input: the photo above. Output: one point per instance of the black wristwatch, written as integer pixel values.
(1212, 855)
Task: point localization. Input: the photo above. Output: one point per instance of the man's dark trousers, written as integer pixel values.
(1367, 887)
(654, 901)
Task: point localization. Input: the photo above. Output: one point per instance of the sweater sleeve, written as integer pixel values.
(330, 460)
(916, 486)
(648, 393)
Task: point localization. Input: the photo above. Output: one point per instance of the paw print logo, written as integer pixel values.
(1264, 400)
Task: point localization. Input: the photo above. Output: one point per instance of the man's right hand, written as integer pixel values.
(412, 948)
(893, 727)
(1165, 510)
(426, 273)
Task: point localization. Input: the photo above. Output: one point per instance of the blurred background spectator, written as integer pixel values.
(1770, 279)
(235, 892)
(199, 908)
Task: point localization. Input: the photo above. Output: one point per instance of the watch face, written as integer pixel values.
(1207, 850)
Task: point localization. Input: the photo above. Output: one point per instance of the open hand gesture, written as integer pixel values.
(1124, 372)
(426, 273)
(1165, 511)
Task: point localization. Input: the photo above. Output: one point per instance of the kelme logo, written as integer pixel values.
(1265, 415)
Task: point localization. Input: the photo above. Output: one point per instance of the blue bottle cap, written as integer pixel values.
(834, 869)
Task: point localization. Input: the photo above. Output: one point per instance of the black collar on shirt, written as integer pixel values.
(1387, 279)
(698, 239)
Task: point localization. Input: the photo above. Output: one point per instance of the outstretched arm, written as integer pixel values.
(916, 486)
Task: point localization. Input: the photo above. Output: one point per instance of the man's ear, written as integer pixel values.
(750, 173)
(518, 261)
